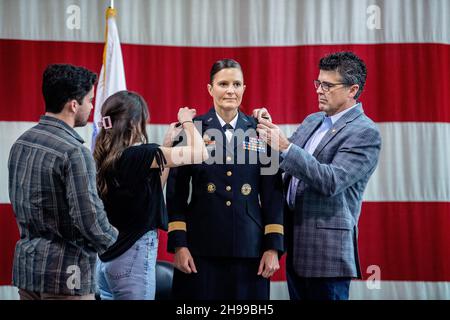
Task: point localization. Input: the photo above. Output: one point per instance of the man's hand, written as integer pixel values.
(272, 135)
(269, 264)
(183, 260)
(262, 113)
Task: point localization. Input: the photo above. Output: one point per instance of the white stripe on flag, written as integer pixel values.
(233, 23)
(387, 290)
(413, 163)
(359, 290)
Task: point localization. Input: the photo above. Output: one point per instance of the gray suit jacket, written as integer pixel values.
(322, 235)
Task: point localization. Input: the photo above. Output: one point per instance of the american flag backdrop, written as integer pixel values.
(168, 48)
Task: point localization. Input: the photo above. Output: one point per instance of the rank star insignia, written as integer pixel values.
(246, 189)
(211, 187)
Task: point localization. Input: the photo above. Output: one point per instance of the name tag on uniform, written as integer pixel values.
(254, 144)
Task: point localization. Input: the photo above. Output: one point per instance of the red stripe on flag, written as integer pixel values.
(9, 234)
(408, 240)
(401, 83)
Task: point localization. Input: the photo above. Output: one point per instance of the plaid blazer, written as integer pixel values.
(322, 229)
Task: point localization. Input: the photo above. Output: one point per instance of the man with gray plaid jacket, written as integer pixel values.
(327, 163)
(52, 187)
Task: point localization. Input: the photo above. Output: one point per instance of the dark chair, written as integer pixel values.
(164, 275)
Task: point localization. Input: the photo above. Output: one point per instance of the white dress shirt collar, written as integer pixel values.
(232, 122)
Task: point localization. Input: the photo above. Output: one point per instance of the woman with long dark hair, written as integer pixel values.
(131, 173)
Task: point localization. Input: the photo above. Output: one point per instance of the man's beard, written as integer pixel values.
(80, 122)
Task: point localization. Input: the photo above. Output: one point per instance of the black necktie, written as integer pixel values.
(227, 126)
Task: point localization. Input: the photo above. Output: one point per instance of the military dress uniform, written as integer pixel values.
(226, 213)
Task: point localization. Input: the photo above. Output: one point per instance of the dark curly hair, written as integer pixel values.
(351, 68)
(64, 82)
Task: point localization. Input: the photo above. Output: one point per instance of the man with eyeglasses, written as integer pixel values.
(327, 163)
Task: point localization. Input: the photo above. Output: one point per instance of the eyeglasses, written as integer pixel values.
(326, 86)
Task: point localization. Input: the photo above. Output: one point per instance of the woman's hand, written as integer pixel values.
(186, 114)
(269, 264)
(171, 133)
(183, 260)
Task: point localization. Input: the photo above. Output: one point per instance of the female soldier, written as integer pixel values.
(130, 178)
(227, 239)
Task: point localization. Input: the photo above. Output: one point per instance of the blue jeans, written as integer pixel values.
(131, 276)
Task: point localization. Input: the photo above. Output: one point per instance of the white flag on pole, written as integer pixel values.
(112, 74)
